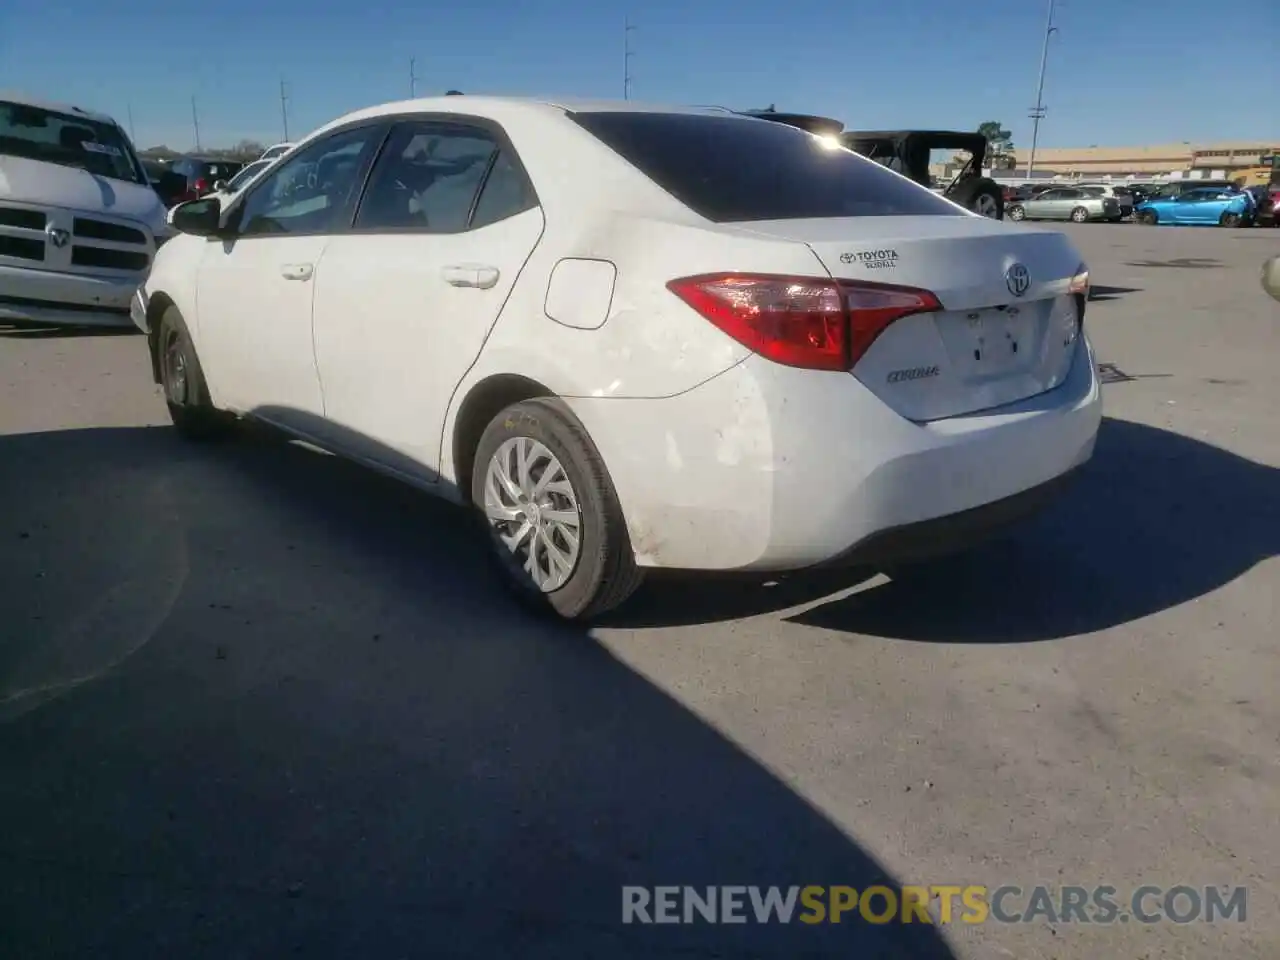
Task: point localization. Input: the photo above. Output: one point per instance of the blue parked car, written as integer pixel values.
(1212, 206)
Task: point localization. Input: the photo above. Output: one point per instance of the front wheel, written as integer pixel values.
(1016, 212)
(1148, 218)
(554, 522)
(185, 392)
(1079, 215)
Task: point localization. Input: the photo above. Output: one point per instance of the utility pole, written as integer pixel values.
(1038, 111)
(284, 109)
(413, 78)
(195, 122)
(628, 26)
(133, 134)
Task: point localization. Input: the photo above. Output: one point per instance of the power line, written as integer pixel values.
(627, 54)
(1038, 111)
(195, 122)
(284, 109)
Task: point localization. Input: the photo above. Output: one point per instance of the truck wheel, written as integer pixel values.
(981, 195)
(554, 521)
(185, 391)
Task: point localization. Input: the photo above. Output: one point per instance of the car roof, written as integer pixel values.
(54, 106)
(499, 108)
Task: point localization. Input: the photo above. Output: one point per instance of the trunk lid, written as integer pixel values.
(1001, 336)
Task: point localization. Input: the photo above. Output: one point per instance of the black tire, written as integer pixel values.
(975, 192)
(182, 380)
(605, 573)
(1016, 212)
(1148, 218)
(1079, 215)
(1230, 219)
(1115, 219)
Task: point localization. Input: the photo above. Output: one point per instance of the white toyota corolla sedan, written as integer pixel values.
(634, 337)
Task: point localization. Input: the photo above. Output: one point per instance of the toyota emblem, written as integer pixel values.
(59, 237)
(1018, 279)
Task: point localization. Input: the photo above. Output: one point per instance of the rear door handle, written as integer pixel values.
(297, 271)
(470, 275)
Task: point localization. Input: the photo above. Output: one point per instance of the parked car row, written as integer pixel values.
(1187, 203)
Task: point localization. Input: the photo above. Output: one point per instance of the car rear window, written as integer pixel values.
(734, 169)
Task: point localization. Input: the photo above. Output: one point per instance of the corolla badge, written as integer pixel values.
(58, 237)
(1018, 279)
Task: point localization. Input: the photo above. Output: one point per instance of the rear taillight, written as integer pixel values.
(200, 186)
(810, 322)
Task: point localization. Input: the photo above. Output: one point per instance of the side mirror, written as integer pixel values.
(1271, 277)
(200, 218)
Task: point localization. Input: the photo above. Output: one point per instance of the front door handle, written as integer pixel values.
(470, 275)
(297, 271)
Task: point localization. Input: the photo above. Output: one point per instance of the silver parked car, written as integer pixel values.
(1065, 203)
(1121, 196)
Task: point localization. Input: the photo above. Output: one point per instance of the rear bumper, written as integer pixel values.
(769, 468)
(952, 533)
(45, 296)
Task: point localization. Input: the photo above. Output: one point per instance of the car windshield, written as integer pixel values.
(247, 174)
(72, 141)
(733, 170)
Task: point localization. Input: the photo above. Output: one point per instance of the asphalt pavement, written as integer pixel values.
(256, 702)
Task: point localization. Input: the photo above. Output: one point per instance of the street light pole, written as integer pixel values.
(413, 78)
(195, 122)
(284, 110)
(1038, 111)
(626, 58)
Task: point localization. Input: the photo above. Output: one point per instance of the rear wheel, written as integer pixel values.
(981, 195)
(555, 526)
(1230, 219)
(1079, 215)
(185, 391)
(1016, 212)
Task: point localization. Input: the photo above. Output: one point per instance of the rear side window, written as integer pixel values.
(732, 170)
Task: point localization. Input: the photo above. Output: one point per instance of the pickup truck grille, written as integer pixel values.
(21, 218)
(59, 240)
(108, 259)
(21, 248)
(103, 230)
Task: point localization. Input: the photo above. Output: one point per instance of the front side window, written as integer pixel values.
(68, 140)
(734, 169)
(427, 178)
(312, 191)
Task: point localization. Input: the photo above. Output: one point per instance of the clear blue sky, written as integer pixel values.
(1121, 72)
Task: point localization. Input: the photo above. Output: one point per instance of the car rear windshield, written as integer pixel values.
(72, 141)
(734, 169)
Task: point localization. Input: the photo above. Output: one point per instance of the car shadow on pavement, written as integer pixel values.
(1154, 520)
(256, 701)
(1100, 293)
(11, 332)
